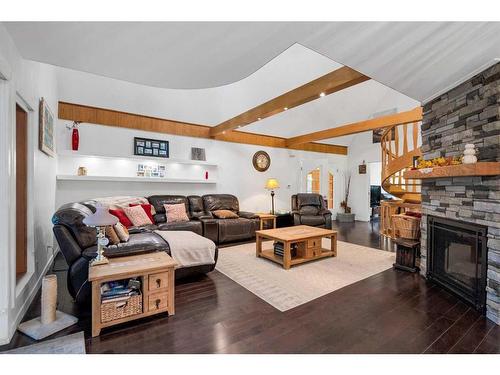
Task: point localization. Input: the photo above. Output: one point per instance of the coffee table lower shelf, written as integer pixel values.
(269, 254)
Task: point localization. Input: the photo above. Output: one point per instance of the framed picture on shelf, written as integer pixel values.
(198, 154)
(151, 147)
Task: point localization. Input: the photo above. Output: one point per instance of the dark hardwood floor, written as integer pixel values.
(391, 312)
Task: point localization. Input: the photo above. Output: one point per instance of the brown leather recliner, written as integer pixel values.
(310, 209)
(229, 230)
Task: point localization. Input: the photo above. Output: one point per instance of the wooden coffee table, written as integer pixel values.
(308, 240)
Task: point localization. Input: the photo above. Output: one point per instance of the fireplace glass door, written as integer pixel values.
(458, 258)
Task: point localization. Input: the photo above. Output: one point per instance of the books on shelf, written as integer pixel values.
(121, 290)
(279, 249)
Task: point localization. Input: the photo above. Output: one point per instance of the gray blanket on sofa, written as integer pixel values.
(188, 248)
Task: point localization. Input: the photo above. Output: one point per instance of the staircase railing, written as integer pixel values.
(400, 145)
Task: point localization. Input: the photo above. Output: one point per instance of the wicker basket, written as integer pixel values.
(121, 309)
(406, 226)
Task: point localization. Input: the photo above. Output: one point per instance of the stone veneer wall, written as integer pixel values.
(469, 113)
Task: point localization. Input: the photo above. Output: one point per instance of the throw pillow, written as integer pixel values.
(137, 216)
(122, 232)
(147, 208)
(176, 212)
(112, 236)
(120, 214)
(225, 214)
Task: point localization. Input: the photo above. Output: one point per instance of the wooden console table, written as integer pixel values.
(156, 273)
(308, 240)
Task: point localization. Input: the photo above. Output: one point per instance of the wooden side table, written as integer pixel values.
(156, 273)
(406, 254)
(266, 217)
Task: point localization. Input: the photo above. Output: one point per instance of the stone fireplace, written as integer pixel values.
(468, 113)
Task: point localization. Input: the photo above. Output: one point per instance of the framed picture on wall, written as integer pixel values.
(46, 129)
(151, 147)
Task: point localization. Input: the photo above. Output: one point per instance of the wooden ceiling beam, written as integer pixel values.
(358, 127)
(332, 82)
(101, 116)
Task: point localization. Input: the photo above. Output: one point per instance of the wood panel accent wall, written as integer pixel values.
(332, 82)
(101, 116)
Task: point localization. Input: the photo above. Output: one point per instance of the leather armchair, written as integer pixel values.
(310, 209)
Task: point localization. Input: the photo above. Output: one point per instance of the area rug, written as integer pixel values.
(71, 344)
(286, 289)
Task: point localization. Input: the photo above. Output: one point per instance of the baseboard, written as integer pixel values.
(29, 300)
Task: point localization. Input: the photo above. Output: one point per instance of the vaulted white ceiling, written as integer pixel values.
(417, 59)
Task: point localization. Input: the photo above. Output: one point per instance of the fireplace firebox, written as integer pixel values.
(458, 258)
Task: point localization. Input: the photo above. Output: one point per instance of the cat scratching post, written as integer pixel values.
(51, 320)
(49, 299)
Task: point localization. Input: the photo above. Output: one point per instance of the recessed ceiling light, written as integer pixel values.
(224, 132)
(322, 94)
(258, 119)
(286, 108)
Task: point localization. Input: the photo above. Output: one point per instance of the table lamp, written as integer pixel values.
(272, 184)
(100, 219)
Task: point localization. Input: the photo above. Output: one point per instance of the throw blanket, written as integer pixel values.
(188, 248)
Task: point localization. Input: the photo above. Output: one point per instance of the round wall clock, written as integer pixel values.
(261, 161)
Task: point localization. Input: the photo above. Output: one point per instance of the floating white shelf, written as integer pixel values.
(133, 179)
(76, 154)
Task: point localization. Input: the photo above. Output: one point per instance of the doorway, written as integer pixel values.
(330, 191)
(313, 184)
(21, 191)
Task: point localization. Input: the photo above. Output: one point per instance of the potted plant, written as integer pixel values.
(346, 216)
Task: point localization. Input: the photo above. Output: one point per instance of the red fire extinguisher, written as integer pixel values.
(75, 139)
(75, 136)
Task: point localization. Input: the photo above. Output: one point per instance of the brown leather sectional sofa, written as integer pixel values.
(78, 242)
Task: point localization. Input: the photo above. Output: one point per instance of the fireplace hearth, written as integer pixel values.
(458, 256)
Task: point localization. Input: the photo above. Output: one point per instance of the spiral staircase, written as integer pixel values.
(400, 145)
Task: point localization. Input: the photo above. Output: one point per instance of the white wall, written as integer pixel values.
(361, 149)
(26, 83)
(375, 171)
(235, 174)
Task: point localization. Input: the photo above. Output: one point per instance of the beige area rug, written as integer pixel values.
(302, 283)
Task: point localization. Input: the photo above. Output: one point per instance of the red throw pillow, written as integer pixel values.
(146, 208)
(120, 214)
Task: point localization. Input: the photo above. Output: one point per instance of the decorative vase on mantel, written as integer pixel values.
(469, 154)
